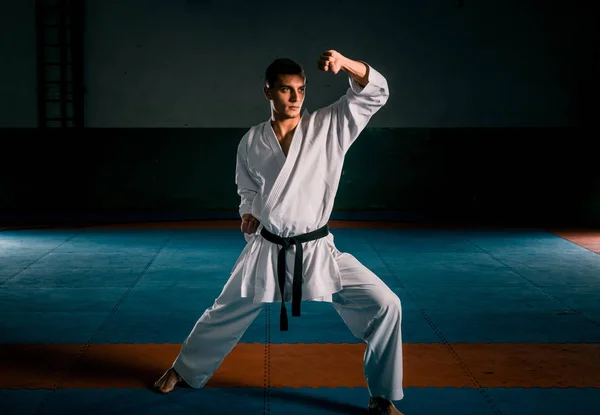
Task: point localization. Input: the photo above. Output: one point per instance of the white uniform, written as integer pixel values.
(290, 196)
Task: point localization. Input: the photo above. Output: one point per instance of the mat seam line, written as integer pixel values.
(82, 351)
(540, 288)
(29, 266)
(267, 363)
(438, 333)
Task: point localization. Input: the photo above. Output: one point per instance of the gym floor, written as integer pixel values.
(495, 321)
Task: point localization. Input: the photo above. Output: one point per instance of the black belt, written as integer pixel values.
(287, 243)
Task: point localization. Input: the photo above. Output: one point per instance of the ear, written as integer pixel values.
(267, 92)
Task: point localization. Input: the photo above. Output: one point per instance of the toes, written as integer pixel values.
(163, 388)
(167, 382)
(159, 386)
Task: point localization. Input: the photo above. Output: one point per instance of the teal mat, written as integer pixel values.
(322, 401)
(131, 286)
(463, 284)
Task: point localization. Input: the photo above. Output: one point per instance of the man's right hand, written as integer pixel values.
(249, 224)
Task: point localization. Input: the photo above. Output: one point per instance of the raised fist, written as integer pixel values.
(331, 61)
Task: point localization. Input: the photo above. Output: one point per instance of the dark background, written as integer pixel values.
(491, 117)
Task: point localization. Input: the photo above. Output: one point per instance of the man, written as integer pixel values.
(288, 171)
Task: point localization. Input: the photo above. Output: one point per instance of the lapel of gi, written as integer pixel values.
(288, 165)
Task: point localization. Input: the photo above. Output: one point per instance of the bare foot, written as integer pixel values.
(168, 381)
(381, 406)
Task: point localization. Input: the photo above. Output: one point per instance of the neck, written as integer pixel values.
(284, 125)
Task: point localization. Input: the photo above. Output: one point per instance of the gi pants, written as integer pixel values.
(369, 308)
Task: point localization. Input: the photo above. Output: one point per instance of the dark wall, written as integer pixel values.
(17, 65)
(199, 63)
(491, 115)
(504, 175)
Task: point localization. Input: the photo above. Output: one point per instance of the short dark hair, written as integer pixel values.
(282, 66)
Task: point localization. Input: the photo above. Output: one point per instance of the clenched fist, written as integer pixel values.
(249, 224)
(331, 61)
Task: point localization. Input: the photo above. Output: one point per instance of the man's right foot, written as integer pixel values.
(168, 381)
(381, 406)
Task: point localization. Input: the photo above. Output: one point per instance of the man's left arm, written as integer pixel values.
(368, 92)
(358, 71)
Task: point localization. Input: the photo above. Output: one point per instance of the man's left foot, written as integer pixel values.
(381, 406)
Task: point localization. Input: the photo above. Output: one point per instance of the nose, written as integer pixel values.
(293, 96)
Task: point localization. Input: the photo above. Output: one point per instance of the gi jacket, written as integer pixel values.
(294, 195)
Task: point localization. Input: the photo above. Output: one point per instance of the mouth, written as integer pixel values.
(294, 108)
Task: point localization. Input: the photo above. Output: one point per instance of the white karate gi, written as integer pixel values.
(290, 196)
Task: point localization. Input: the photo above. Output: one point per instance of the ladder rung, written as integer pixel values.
(58, 82)
(56, 63)
(68, 100)
(56, 45)
(60, 119)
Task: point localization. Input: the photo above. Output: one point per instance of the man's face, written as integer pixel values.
(287, 95)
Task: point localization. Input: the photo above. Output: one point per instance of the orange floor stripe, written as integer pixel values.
(334, 224)
(303, 365)
(340, 365)
(589, 239)
(523, 365)
(35, 366)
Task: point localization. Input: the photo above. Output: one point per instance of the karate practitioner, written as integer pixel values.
(287, 174)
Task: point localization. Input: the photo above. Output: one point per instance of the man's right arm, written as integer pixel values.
(247, 187)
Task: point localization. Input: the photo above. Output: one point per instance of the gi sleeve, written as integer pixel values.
(247, 187)
(354, 110)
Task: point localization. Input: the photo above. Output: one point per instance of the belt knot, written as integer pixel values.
(286, 243)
